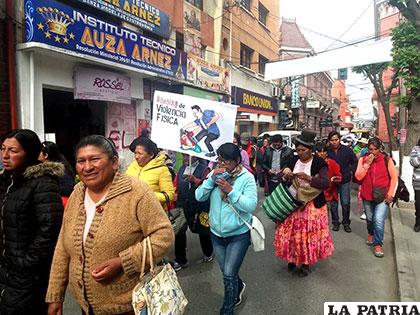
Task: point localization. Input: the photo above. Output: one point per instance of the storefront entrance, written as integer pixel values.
(70, 120)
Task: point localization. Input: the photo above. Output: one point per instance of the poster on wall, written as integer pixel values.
(191, 125)
(192, 29)
(207, 75)
(94, 84)
(137, 12)
(56, 24)
(121, 129)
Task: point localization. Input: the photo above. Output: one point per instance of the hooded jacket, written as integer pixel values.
(31, 215)
(224, 222)
(156, 175)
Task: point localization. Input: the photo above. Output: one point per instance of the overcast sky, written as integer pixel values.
(346, 20)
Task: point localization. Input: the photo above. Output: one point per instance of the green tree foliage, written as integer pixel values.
(406, 59)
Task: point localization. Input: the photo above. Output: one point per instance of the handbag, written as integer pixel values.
(176, 216)
(158, 292)
(280, 204)
(201, 223)
(257, 231)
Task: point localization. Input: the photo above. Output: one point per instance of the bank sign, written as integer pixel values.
(137, 12)
(254, 103)
(53, 23)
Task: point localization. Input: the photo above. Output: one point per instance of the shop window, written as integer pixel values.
(246, 56)
(179, 41)
(262, 14)
(261, 64)
(196, 3)
(246, 4)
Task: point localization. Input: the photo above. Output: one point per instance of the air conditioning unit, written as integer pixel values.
(276, 91)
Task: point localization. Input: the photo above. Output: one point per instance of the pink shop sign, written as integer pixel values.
(93, 84)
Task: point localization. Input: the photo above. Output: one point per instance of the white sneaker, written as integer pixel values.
(363, 216)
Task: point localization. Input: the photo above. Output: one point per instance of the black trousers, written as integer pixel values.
(417, 204)
(181, 246)
(209, 138)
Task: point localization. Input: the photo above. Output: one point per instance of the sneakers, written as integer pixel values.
(378, 252)
(347, 228)
(369, 240)
(416, 228)
(336, 227)
(363, 216)
(177, 266)
(207, 259)
(242, 287)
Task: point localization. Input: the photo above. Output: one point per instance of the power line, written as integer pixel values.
(352, 24)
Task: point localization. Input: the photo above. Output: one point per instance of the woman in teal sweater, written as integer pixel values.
(230, 185)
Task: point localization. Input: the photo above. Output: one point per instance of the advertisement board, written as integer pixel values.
(137, 12)
(94, 84)
(249, 101)
(56, 24)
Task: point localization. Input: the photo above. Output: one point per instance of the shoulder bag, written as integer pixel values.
(257, 231)
(176, 216)
(158, 292)
(280, 204)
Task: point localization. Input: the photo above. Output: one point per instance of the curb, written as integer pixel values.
(405, 272)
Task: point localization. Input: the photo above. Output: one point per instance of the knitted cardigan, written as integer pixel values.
(129, 213)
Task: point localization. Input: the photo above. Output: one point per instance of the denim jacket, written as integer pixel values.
(223, 221)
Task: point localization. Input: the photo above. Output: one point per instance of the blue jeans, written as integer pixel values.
(230, 252)
(375, 218)
(344, 191)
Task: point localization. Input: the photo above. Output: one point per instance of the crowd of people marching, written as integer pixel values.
(83, 228)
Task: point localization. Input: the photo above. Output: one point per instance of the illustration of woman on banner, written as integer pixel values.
(208, 129)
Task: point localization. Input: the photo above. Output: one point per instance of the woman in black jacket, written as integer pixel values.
(30, 219)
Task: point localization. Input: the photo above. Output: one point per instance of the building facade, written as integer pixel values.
(249, 39)
(91, 67)
(306, 100)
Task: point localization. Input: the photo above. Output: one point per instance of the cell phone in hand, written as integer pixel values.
(225, 175)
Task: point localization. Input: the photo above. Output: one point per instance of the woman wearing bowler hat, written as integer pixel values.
(304, 237)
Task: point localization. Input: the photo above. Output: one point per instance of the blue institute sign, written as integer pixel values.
(53, 23)
(136, 12)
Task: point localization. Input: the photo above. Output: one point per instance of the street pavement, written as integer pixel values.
(352, 274)
(407, 252)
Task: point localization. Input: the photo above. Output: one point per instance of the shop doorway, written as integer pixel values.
(71, 120)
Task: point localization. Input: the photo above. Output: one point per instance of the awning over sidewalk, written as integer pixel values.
(355, 55)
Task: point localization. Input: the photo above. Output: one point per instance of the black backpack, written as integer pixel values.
(402, 192)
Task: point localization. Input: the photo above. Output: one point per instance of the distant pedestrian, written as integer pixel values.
(304, 237)
(379, 178)
(334, 173)
(51, 153)
(415, 162)
(187, 180)
(230, 185)
(262, 175)
(30, 221)
(276, 157)
(347, 160)
(244, 156)
(150, 166)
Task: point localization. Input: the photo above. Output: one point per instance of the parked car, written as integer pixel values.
(288, 136)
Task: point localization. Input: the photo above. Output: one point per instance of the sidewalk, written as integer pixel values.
(407, 252)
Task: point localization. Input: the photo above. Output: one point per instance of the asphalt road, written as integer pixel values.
(352, 274)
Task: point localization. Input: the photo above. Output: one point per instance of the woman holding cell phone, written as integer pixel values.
(230, 185)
